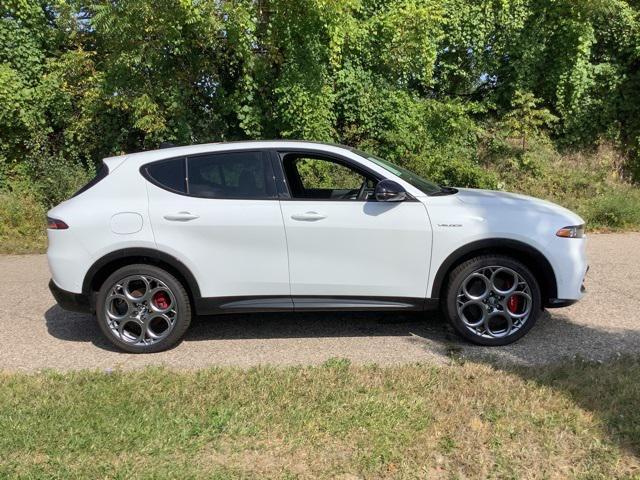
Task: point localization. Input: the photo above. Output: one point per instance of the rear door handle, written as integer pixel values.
(308, 216)
(180, 217)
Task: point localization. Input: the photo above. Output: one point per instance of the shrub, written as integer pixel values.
(585, 182)
(51, 179)
(22, 223)
(615, 209)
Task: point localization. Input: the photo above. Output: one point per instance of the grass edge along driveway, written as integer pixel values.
(575, 420)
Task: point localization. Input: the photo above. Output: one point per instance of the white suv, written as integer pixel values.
(295, 226)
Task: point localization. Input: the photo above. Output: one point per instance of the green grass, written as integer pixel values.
(579, 420)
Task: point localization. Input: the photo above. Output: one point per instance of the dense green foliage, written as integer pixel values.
(453, 89)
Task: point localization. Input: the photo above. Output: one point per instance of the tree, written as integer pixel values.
(525, 118)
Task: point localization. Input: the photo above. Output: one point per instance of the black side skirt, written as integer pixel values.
(218, 305)
(77, 302)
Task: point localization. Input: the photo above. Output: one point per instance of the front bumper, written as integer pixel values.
(560, 302)
(74, 302)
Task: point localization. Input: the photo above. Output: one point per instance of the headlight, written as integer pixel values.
(575, 231)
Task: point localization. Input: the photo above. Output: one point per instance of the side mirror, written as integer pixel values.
(390, 191)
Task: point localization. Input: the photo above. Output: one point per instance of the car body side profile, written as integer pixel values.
(282, 226)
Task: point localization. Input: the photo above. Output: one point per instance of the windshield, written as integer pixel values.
(422, 184)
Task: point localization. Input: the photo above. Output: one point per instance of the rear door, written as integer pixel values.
(219, 214)
(345, 248)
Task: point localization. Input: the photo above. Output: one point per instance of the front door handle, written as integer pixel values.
(308, 216)
(180, 217)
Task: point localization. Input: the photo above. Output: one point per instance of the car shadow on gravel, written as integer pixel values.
(78, 327)
(316, 325)
(75, 327)
(555, 337)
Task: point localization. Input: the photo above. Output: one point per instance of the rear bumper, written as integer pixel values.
(74, 302)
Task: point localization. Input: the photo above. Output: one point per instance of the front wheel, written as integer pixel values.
(143, 309)
(492, 300)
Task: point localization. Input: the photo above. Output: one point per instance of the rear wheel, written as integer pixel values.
(143, 309)
(492, 300)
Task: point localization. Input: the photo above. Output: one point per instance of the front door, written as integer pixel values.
(344, 245)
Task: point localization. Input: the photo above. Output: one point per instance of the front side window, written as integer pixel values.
(230, 175)
(321, 178)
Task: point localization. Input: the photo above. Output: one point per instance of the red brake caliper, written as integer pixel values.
(513, 304)
(161, 300)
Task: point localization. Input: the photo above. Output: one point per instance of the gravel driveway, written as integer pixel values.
(36, 334)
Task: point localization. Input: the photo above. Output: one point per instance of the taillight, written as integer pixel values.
(55, 224)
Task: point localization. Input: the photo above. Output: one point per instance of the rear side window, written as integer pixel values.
(243, 175)
(169, 174)
(102, 172)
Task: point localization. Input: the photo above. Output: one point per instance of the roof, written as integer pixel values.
(162, 153)
(233, 145)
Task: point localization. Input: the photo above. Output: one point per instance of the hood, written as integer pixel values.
(496, 199)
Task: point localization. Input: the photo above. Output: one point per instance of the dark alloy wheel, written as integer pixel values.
(492, 300)
(143, 309)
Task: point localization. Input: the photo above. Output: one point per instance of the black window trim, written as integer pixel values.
(101, 173)
(283, 186)
(270, 175)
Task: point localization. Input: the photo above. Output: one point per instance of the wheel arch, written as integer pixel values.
(109, 263)
(531, 257)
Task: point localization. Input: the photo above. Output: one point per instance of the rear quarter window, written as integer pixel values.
(169, 174)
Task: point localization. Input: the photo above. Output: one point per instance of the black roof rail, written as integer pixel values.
(167, 145)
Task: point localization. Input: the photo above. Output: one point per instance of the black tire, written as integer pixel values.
(453, 288)
(174, 331)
